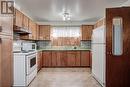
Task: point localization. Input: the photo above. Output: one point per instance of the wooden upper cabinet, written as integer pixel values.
(87, 32)
(44, 32)
(37, 32)
(18, 21)
(25, 22)
(33, 30)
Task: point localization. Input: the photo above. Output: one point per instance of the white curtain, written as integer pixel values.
(66, 32)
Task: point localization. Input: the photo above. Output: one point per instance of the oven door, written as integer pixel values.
(31, 63)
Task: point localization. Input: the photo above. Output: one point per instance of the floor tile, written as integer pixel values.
(64, 77)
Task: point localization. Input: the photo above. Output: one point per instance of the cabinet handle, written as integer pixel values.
(0, 28)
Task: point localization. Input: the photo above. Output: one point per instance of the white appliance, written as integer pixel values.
(25, 68)
(98, 54)
(25, 65)
(19, 46)
(28, 46)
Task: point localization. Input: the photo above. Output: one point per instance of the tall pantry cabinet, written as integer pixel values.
(6, 54)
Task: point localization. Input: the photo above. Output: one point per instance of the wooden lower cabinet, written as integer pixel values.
(66, 59)
(6, 61)
(62, 59)
(54, 58)
(39, 60)
(47, 59)
(77, 58)
(58, 59)
(85, 58)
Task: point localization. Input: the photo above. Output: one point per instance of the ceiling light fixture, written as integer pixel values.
(66, 16)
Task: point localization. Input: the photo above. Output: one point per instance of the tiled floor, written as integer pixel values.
(64, 77)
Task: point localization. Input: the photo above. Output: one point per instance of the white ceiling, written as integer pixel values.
(80, 10)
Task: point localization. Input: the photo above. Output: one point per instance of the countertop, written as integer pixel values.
(70, 48)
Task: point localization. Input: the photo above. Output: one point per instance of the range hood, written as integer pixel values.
(20, 30)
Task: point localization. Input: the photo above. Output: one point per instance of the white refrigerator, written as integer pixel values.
(98, 54)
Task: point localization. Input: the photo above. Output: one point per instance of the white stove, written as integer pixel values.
(25, 67)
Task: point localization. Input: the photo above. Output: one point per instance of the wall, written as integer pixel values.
(99, 23)
(126, 3)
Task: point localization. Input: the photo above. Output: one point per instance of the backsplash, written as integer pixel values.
(43, 44)
(48, 44)
(86, 44)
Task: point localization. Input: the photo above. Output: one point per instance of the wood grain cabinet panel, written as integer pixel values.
(39, 60)
(6, 61)
(47, 59)
(85, 58)
(87, 32)
(71, 58)
(66, 58)
(44, 32)
(18, 21)
(37, 32)
(77, 58)
(6, 25)
(25, 22)
(90, 60)
(33, 30)
(63, 58)
(59, 64)
(54, 58)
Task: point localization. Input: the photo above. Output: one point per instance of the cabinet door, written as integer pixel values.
(6, 61)
(34, 32)
(37, 32)
(63, 58)
(71, 58)
(6, 24)
(39, 60)
(47, 59)
(31, 29)
(87, 32)
(77, 58)
(44, 32)
(18, 18)
(54, 58)
(58, 58)
(90, 60)
(85, 58)
(25, 22)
